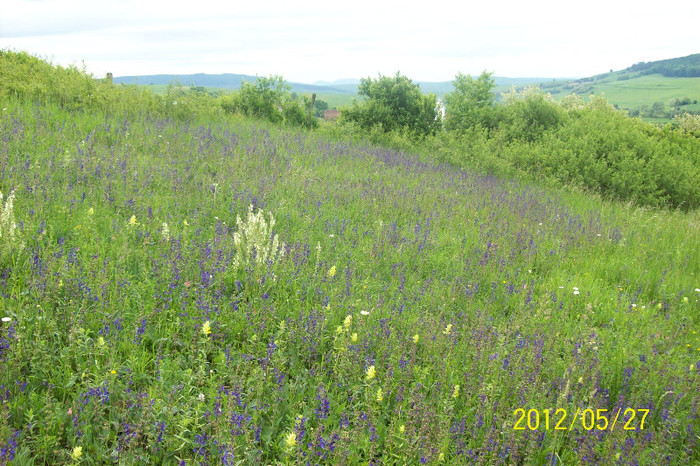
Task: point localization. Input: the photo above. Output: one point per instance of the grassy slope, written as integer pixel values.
(482, 296)
(106, 348)
(636, 91)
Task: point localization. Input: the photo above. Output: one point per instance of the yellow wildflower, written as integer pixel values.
(91, 211)
(331, 272)
(132, 221)
(290, 440)
(371, 373)
(416, 337)
(380, 394)
(455, 392)
(448, 329)
(348, 321)
(206, 328)
(77, 453)
(402, 428)
(353, 338)
(339, 329)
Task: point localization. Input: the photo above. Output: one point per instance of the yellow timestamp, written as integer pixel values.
(589, 419)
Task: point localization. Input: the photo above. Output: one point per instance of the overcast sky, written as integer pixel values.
(307, 41)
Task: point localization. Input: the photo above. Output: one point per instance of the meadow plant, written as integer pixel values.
(416, 307)
(11, 241)
(254, 241)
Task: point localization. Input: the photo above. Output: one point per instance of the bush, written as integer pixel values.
(527, 115)
(270, 99)
(23, 76)
(394, 103)
(471, 102)
(262, 99)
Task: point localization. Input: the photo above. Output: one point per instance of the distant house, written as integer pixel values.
(331, 115)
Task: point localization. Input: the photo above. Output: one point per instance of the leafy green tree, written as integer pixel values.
(270, 99)
(320, 106)
(296, 112)
(471, 102)
(394, 103)
(527, 115)
(262, 99)
(658, 109)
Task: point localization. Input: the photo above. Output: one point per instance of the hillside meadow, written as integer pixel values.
(222, 290)
(637, 93)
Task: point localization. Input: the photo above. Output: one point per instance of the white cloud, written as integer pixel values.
(314, 40)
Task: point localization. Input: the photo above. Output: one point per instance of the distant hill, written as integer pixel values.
(223, 81)
(684, 67)
(655, 90)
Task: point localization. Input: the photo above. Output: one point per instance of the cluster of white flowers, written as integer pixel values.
(7, 224)
(254, 241)
(165, 232)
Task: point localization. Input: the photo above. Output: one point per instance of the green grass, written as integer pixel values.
(106, 347)
(635, 91)
(405, 312)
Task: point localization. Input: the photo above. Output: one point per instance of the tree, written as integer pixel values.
(269, 98)
(394, 103)
(528, 114)
(471, 102)
(320, 106)
(658, 108)
(262, 99)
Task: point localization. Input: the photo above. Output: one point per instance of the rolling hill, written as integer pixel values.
(649, 89)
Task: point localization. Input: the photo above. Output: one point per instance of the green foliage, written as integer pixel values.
(25, 76)
(296, 112)
(470, 103)
(688, 124)
(529, 114)
(270, 99)
(320, 106)
(130, 342)
(392, 310)
(683, 67)
(586, 145)
(262, 99)
(394, 103)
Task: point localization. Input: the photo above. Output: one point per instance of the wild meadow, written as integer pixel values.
(228, 291)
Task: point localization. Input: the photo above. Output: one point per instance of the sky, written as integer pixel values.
(310, 41)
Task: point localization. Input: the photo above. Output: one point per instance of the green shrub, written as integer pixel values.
(394, 103)
(527, 115)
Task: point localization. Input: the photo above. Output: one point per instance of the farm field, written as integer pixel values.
(231, 292)
(631, 91)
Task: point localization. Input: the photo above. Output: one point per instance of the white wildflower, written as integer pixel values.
(254, 240)
(165, 232)
(8, 225)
